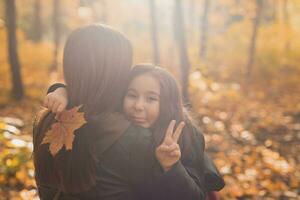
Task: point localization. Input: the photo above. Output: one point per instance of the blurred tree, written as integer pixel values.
(99, 9)
(269, 15)
(103, 17)
(287, 25)
(204, 29)
(192, 13)
(56, 20)
(179, 31)
(37, 22)
(252, 48)
(17, 84)
(156, 56)
(273, 9)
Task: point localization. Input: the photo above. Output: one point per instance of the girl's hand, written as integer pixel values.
(168, 153)
(57, 100)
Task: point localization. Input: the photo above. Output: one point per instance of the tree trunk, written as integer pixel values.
(204, 29)
(179, 31)
(104, 9)
(37, 22)
(99, 9)
(156, 56)
(56, 33)
(191, 14)
(252, 48)
(274, 10)
(287, 30)
(17, 84)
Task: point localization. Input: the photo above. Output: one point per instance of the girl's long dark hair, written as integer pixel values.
(171, 106)
(96, 64)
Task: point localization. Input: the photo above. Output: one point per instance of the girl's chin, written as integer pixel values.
(142, 124)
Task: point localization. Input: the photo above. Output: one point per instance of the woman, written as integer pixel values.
(110, 158)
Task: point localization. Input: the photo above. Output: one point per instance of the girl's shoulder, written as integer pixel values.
(194, 144)
(195, 133)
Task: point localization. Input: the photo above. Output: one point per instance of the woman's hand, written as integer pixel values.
(168, 153)
(57, 100)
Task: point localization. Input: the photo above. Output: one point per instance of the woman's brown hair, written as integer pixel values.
(170, 104)
(96, 64)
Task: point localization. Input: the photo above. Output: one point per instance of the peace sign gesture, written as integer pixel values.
(168, 153)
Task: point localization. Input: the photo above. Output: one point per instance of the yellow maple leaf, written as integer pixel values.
(62, 131)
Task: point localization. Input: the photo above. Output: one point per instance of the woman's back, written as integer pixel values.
(96, 61)
(123, 161)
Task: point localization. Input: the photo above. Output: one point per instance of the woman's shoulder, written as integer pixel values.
(109, 124)
(114, 130)
(137, 132)
(135, 138)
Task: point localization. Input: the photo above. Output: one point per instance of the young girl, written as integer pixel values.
(152, 100)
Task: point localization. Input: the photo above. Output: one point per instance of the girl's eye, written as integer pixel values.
(131, 95)
(151, 99)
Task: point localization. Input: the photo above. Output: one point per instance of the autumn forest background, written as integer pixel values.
(238, 62)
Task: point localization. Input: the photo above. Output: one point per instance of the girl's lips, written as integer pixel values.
(138, 119)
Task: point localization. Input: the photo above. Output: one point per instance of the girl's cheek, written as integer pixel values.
(126, 107)
(155, 113)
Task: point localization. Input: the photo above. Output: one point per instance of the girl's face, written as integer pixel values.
(141, 103)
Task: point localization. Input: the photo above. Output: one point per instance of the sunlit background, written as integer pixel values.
(242, 58)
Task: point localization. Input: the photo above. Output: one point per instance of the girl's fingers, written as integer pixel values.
(60, 108)
(55, 106)
(178, 131)
(169, 131)
(57, 116)
(173, 147)
(45, 103)
(169, 148)
(162, 148)
(175, 153)
(50, 103)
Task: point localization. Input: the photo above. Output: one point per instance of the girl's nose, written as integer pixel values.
(139, 104)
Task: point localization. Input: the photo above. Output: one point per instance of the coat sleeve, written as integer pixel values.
(185, 180)
(55, 86)
(181, 182)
